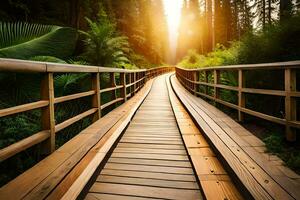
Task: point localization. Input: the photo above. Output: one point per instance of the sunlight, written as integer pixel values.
(173, 13)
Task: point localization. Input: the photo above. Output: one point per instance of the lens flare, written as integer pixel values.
(173, 13)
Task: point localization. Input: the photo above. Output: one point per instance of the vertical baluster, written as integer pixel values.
(123, 89)
(290, 103)
(206, 81)
(134, 80)
(129, 82)
(48, 116)
(216, 81)
(196, 79)
(241, 95)
(96, 99)
(113, 84)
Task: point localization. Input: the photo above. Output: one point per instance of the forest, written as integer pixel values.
(134, 34)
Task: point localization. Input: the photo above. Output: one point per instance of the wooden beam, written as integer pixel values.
(96, 99)
(22, 145)
(23, 108)
(73, 96)
(123, 89)
(241, 95)
(290, 103)
(216, 82)
(48, 117)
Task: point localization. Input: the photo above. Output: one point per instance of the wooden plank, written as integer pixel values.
(151, 138)
(147, 168)
(154, 151)
(194, 141)
(145, 191)
(150, 162)
(154, 141)
(150, 156)
(204, 151)
(220, 190)
(150, 175)
(148, 182)
(207, 165)
(97, 196)
(151, 146)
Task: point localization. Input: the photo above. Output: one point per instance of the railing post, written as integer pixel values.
(196, 79)
(241, 95)
(206, 81)
(129, 82)
(216, 81)
(113, 84)
(290, 103)
(134, 80)
(123, 89)
(96, 99)
(48, 117)
(193, 78)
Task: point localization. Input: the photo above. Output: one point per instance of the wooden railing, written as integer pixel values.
(130, 80)
(190, 78)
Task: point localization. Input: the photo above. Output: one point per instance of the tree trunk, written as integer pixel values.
(209, 26)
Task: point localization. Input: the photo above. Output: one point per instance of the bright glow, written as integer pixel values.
(173, 13)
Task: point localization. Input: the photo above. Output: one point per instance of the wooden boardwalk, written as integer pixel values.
(150, 161)
(162, 142)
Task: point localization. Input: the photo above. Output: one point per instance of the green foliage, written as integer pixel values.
(220, 56)
(140, 61)
(274, 142)
(23, 40)
(104, 47)
(47, 59)
(276, 43)
(294, 160)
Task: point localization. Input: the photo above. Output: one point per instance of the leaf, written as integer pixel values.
(23, 40)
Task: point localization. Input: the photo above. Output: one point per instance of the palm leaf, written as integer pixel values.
(23, 40)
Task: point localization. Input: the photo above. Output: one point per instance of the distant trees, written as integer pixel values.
(218, 22)
(144, 23)
(223, 21)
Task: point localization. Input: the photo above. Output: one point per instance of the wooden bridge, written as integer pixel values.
(154, 138)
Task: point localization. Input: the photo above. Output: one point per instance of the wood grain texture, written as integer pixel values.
(150, 160)
(215, 182)
(261, 182)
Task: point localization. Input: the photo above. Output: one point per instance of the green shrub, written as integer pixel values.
(274, 143)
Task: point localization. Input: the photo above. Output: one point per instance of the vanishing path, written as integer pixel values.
(151, 160)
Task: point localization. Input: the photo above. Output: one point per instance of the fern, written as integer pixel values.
(23, 40)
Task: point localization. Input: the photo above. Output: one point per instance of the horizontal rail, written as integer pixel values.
(23, 108)
(24, 144)
(137, 79)
(190, 78)
(73, 96)
(111, 103)
(73, 120)
(111, 89)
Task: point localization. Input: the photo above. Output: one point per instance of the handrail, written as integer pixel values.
(190, 79)
(136, 80)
